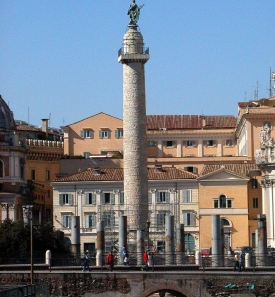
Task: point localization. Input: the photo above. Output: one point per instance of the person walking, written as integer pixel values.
(86, 261)
(110, 261)
(241, 262)
(236, 259)
(145, 260)
(125, 256)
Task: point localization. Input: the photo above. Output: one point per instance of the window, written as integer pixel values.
(66, 199)
(90, 220)
(48, 175)
(228, 142)
(151, 143)
(255, 203)
(121, 198)
(161, 217)
(170, 143)
(191, 169)
(87, 133)
(66, 221)
(161, 246)
(163, 197)
(119, 133)
(210, 143)
(108, 198)
(108, 218)
(189, 218)
(254, 183)
(33, 174)
(104, 133)
(187, 196)
(149, 197)
(222, 202)
(90, 199)
(190, 143)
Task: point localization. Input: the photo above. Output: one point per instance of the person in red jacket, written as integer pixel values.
(110, 260)
(145, 260)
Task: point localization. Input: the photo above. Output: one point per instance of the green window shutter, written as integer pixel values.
(121, 198)
(112, 198)
(192, 219)
(116, 133)
(149, 197)
(168, 197)
(71, 199)
(185, 221)
(93, 221)
(93, 199)
(87, 198)
(63, 220)
(158, 197)
(99, 134)
(61, 199)
(82, 133)
(70, 222)
(87, 221)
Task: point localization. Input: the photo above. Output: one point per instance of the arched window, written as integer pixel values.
(222, 201)
(225, 222)
(189, 242)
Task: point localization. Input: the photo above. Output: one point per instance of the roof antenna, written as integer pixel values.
(256, 92)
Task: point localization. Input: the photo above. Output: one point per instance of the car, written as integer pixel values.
(205, 251)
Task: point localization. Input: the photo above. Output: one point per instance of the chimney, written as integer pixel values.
(45, 127)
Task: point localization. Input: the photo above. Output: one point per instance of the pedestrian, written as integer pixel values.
(236, 259)
(241, 262)
(125, 256)
(110, 260)
(145, 260)
(86, 261)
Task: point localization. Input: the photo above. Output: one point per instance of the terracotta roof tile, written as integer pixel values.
(156, 122)
(240, 169)
(116, 174)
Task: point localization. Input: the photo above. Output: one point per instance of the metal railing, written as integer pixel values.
(157, 261)
(133, 49)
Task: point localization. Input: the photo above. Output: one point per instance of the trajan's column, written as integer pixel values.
(133, 56)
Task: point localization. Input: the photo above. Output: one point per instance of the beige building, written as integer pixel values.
(100, 134)
(97, 194)
(188, 142)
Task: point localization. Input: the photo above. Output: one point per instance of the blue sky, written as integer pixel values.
(59, 57)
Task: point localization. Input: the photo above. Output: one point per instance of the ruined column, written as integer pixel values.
(75, 236)
(180, 244)
(169, 239)
(122, 236)
(216, 240)
(100, 243)
(262, 241)
(140, 246)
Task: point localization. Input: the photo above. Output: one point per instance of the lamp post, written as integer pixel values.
(29, 209)
(148, 223)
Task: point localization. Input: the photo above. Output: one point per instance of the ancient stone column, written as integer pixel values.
(133, 56)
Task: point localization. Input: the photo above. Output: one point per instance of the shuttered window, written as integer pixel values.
(189, 219)
(90, 221)
(163, 197)
(187, 196)
(90, 198)
(66, 199)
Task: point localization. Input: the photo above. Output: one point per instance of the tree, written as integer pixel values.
(15, 239)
